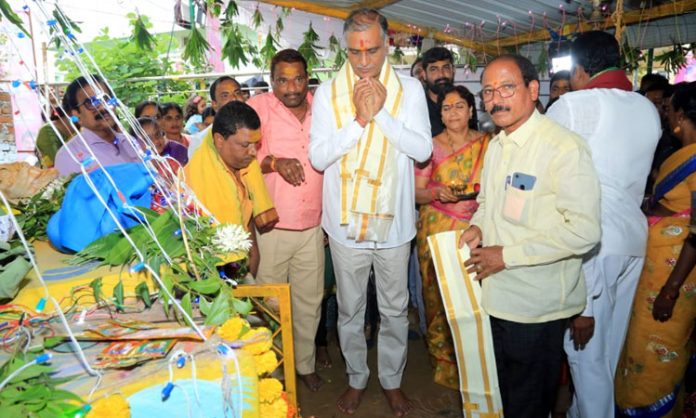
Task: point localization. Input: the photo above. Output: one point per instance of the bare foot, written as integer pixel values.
(312, 381)
(350, 400)
(398, 402)
(323, 357)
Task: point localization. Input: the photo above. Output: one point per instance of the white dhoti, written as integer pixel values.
(471, 329)
(593, 368)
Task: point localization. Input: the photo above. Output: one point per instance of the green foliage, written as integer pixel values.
(468, 58)
(339, 53)
(235, 47)
(279, 26)
(141, 36)
(9, 14)
(64, 24)
(214, 296)
(34, 393)
(309, 48)
(268, 50)
(38, 209)
(675, 59)
(121, 59)
(543, 62)
(257, 18)
(397, 56)
(196, 47)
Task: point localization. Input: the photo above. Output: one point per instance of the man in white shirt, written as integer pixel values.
(223, 90)
(622, 129)
(368, 126)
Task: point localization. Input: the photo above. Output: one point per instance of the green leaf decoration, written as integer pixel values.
(33, 392)
(340, 53)
(309, 49)
(220, 310)
(204, 305)
(279, 26)
(242, 307)
(186, 304)
(233, 49)
(143, 294)
(398, 55)
(141, 36)
(196, 48)
(9, 14)
(672, 60)
(285, 11)
(269, 49)
(543, 61)
(206, 287)
(257, 18)
(118, 295)
(97, 292)
(65, 25)
(231, 10)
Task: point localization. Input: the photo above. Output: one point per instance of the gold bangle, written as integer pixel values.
(272, 165)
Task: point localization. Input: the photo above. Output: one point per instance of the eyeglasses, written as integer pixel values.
(92, 103)
(505, 91)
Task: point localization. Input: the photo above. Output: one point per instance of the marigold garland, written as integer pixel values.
(258, 343)
(276, 409)
(270, 390)
(266, 362)
(232, 329)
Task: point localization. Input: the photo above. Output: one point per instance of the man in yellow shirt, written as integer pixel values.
(538, 214)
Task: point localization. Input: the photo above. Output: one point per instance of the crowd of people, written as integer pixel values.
(567, 214)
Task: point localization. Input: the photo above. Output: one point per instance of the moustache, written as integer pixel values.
(498, 108)
(442, 80)
(101, 115)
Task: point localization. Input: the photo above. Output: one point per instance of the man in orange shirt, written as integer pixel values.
(294, 251)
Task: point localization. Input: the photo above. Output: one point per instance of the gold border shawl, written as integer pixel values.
(218, 190)
(369, 175)
(471, 329)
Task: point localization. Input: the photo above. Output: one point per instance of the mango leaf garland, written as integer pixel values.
(340, 53)
(257, 19)
(279, 26)
(233, 48)
(196, 48)
(269, 49)
(309, 48)
(141, 36)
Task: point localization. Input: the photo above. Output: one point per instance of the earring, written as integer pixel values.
(677, 130)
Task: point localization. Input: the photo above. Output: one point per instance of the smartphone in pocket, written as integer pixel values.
(523, 181)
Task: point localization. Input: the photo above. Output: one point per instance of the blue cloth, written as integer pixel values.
(190, 126)
(82, 218)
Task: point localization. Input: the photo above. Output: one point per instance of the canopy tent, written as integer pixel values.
(491, 25)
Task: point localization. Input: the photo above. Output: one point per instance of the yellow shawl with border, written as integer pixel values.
(227, 199)
(369, 175)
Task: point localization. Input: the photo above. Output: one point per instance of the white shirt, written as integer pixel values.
(195, 140)
(408, 133)
(622, 129)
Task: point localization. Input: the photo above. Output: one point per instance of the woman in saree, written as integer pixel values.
(656, 353)
(446, 189)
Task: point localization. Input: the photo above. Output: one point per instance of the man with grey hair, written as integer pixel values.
(368, 126)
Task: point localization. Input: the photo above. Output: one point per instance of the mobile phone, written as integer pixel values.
(523, 181)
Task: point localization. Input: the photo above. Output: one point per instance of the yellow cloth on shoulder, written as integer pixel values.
(369, 175)
(227, 199)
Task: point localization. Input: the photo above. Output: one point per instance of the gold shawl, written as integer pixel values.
(369, 175)
(227, 199)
